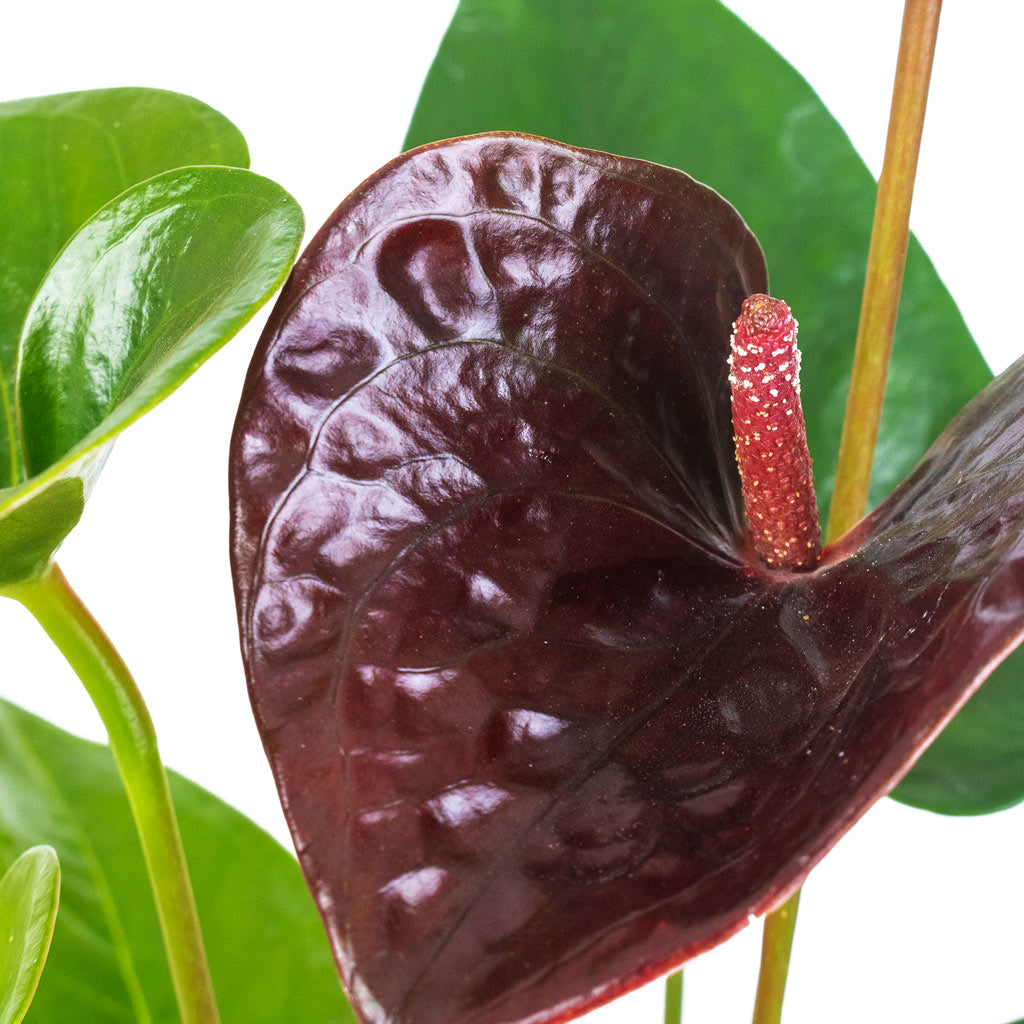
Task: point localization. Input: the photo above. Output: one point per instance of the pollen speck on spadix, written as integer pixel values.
(770, 435)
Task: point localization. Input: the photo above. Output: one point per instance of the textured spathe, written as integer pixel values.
(543, 726)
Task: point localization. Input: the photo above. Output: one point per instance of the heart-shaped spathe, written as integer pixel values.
(542, 725)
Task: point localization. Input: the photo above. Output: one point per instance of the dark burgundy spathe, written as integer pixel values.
(542, 723)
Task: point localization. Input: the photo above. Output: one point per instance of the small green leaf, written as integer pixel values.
(686, 83)
(31, 531)
(144, 292)
(268, 953)
(62, 158)
(29, 892)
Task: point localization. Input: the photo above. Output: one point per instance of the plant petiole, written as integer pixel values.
(83, 643)
(775, 951)
(887, 257)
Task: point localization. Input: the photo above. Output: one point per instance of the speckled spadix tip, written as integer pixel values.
(770, 435)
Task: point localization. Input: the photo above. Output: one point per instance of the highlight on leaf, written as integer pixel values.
(543, 724)
(124, 268)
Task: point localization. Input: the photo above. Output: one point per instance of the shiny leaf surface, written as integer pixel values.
(63, 157)
(107, 964)
(143, 293)
(29, 892)
(687, 84)
(542, 726)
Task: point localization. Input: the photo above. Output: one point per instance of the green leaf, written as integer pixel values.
(686, 83)
(975, 765)
(268, 954)
(29, 892)
(30, 531)
(62, 158)
(142, 294)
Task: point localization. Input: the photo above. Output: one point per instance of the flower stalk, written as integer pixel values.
(776, 947)
(887, 257)
(883, 282)
(674, 998)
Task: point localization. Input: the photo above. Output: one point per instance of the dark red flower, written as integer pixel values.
(543, 724)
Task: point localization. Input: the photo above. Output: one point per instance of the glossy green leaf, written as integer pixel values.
(62, 158)
(976, 765)
(29, 892)
(267, 951)
(686, 83)
(144, 292)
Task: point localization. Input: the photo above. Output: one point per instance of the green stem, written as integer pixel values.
(887, 256)
(133, 741)
(776, 947)
(883, 282)
(674, 998)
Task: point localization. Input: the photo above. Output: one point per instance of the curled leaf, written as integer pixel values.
(29, 893)
(543, 725)
(145, 291)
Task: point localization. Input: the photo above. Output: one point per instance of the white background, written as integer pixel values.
(913, 917)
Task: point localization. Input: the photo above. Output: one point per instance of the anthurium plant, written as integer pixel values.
(560, 679)
(135, 243)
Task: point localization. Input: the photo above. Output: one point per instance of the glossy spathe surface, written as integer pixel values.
(29, 893)
(107, 964)
(541, 726)
(686, 83)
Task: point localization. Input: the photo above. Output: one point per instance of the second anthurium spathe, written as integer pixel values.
(544, 723)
